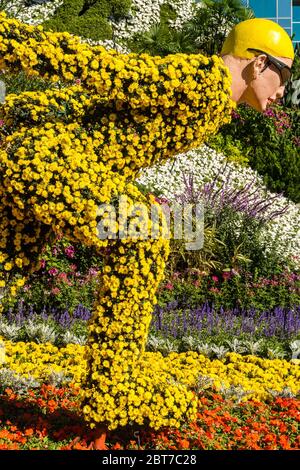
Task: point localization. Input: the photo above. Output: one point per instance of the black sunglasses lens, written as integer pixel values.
(286, 74)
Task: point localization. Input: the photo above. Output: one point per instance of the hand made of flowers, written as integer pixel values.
(71, 148)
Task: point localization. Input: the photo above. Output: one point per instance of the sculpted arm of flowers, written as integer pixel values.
(145, 108)
(141, 79)
(188, 96)
(144, 81)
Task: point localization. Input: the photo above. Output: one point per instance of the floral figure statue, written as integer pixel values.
(79, 145)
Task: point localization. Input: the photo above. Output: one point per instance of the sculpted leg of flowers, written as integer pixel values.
(122, 386)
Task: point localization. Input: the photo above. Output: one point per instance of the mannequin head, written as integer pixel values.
(259, 55)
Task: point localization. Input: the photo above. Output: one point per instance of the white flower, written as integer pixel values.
(35, 14)
(146, 13)
(143, 15)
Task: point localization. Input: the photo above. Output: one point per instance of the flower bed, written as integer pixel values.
(250, 375)
(206, 166)
(152, 388)
(47, 418)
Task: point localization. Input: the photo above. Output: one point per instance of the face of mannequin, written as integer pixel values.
(263, 87)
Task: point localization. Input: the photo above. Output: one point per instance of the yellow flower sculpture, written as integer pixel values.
(77, 146)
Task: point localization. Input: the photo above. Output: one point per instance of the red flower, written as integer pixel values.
(169, 286)
(55, 290)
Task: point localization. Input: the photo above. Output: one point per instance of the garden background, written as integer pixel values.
(235, 303)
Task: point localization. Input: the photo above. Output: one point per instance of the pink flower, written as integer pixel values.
(214, 289)
(62, 276)
(176, 275)
(53, 271)
(215, 278)
(226, 275)
(70, 251)
(43, 263)
(197, 283)
(297, 141)
(234, 272)
(1, 122)
(169, 286)
(93, 271)
(55, 290)
(235, 115)
(161, 200)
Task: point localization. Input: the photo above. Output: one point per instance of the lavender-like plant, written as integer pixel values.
(218, 196)
(280, 322)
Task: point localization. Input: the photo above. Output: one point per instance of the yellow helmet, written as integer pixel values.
(258, 33)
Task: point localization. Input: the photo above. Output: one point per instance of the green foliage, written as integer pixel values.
(227, 145)
(88, 18)
(205, 32)
(161, 40)
(167, 13)
(19, 82)
(271, 141)
(193, 287)
(292, 94)
(67, 277)
(209, 27)
(231, 241)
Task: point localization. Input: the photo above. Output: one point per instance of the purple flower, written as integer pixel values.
(218, 197)
(269, 112)
(226, 275)
(53, 271)
(70, 251)
(235, 115)
(93, 271)
(297, 141)
(280, 322)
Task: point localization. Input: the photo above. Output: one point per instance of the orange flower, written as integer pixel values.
(5, 434)
(184, 444)
(284, 442)
(117, 446)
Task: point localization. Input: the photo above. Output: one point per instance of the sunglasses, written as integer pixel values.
(284, 70)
